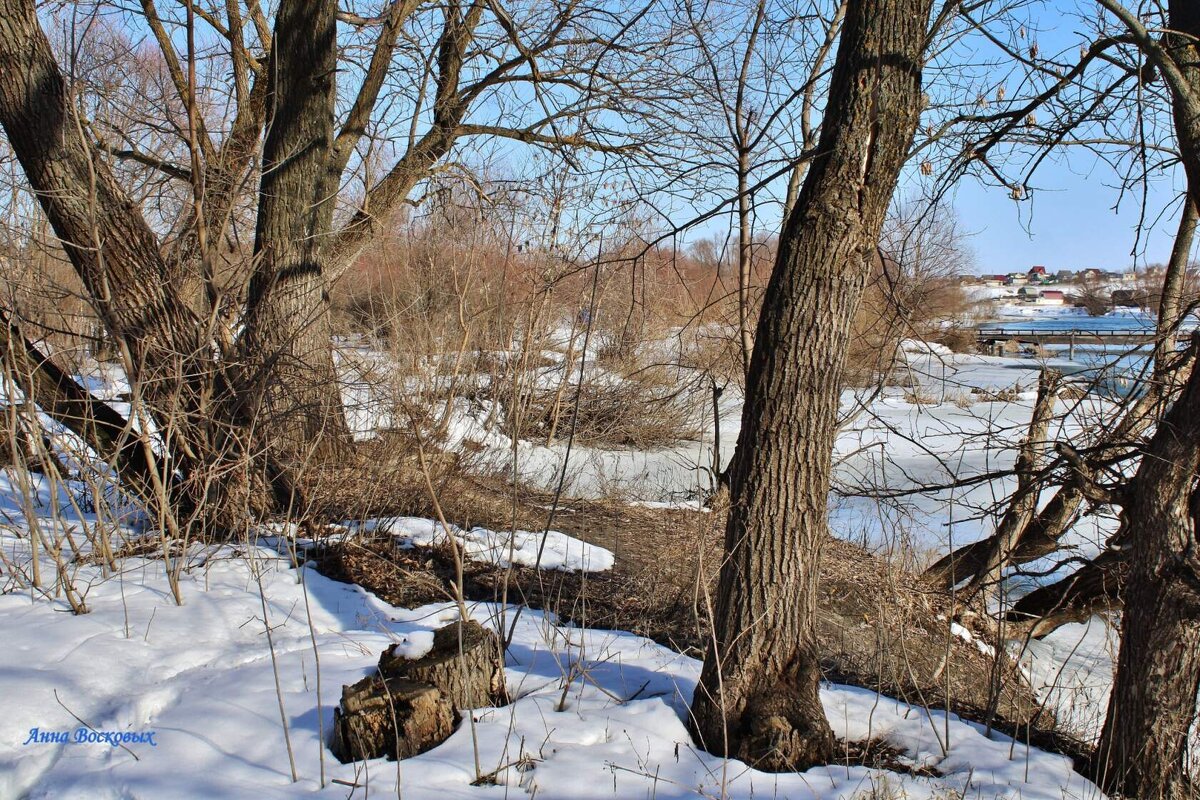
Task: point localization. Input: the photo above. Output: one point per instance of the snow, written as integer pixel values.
(925, 348)
(558, 551)
(597, 714)
(1072, 670)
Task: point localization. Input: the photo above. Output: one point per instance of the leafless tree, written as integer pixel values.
(758, 694)
(238, 374)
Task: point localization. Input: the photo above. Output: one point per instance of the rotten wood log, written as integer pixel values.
(412, 705)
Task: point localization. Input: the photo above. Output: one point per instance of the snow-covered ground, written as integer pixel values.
(598, 714)
(550, 550)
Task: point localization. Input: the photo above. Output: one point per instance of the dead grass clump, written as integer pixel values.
(958, 338)
(376, 477)
(624, 413)
(962, 400)
(920, 397)
(878, 754)
(1073, 391)
(405, 578)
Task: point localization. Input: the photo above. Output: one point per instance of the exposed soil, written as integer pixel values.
(879, 627)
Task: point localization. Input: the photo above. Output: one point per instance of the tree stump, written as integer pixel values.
(412, 705)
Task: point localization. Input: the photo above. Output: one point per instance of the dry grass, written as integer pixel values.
(634, 413)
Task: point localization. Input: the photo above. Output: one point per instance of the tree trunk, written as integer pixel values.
(758, 695)
(1143, 750)
(117, 256)
(1171, 304)
(1094, 588)
(288, 373)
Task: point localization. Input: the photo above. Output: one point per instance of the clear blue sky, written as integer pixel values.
(1071, 224)
(1073, 220)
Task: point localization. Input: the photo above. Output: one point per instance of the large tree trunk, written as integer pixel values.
(758, 695)
(1143, 749)
(288, 375)
(117, 256)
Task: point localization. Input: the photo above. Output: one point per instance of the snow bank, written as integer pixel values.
(922, 347)
(558, 550)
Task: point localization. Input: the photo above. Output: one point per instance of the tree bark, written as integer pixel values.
(1143, 750)
(758, 697)
(288, 374)
(1095, 587)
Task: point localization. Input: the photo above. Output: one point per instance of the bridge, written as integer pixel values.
(991, 339)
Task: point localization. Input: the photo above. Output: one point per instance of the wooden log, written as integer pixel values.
(395, 718)
(412, 705)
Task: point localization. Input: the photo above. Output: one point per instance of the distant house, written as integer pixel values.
(1041, 297)
(1016, 279)
(1065, 275)
(1091, 274)
(993, 280)
(1038, 274)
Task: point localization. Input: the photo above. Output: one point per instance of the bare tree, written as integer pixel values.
(237, 373)
(758, 693)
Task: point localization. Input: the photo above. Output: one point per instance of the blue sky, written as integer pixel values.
(1076, 217)
(1070, 223)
